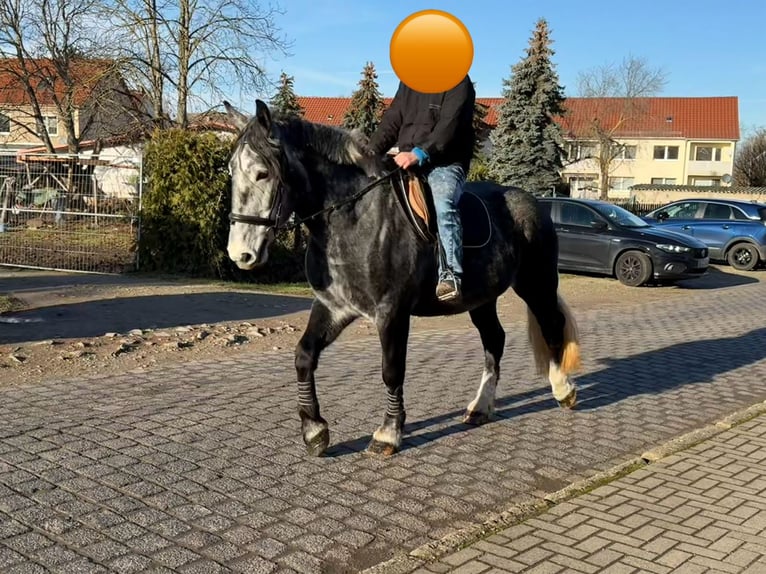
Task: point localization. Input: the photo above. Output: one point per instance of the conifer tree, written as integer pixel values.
(527, 142)
(480, 126)
(367, 106)
(285, 102)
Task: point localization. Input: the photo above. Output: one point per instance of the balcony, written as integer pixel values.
(717, 168)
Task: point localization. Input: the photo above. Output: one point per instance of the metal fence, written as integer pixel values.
(636, 207)
(70, 212)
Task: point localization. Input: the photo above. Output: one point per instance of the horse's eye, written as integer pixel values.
(261, 175)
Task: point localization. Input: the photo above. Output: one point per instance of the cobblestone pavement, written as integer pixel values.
(701, 511)
(199, 467)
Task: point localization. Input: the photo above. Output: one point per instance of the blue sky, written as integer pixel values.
(706, 48)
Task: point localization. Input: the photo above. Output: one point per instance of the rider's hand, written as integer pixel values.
(405, 159)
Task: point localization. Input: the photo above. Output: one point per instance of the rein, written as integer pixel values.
(274, 221)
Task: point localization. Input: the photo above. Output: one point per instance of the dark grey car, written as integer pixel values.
(600, 237)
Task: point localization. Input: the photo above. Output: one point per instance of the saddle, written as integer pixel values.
(414, 195)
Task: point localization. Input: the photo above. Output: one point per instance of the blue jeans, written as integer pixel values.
(446, 183)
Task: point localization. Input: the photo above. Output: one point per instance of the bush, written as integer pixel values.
(185, 212)
(184, 223)
(479, 170)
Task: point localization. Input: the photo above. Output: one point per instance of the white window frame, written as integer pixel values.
(576, 150)
(621, 153)
(695, 179)
(663, 181)
(666, 149)
(716, 152)
(623, 185)
(51, 125)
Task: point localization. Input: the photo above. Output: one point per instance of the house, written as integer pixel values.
(102, 104)
(661, 141)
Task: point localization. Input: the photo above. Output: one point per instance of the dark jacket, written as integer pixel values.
(439, 124)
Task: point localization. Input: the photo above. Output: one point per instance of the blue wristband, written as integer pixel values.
(422, 155)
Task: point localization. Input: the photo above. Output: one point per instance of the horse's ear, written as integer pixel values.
(263, 114)
(237, 118)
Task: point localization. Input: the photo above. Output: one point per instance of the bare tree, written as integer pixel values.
(184, 52)
(44, 48)
(619, 91)
(750, 160)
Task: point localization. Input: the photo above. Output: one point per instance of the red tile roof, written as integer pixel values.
(692, 118)
(86, 75)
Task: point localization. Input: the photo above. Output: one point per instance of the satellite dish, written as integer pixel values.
(726, 178)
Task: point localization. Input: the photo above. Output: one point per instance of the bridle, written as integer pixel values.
(273, 220)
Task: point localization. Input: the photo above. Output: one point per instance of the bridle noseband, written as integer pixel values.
(270, 221)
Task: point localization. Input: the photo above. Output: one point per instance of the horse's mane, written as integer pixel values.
(334, 144)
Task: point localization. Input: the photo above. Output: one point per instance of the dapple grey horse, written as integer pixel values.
(364, 259)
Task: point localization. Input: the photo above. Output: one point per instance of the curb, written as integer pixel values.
(517, 513)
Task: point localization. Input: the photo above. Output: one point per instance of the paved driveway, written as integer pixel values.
(199, 467)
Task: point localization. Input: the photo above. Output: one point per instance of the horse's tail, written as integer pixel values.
(570, 360)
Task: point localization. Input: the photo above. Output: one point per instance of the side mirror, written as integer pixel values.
(599, 225)
(662, 216)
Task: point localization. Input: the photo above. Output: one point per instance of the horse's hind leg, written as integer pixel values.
(394, 332)
(322, 329)
(552, 333)
(492, 336)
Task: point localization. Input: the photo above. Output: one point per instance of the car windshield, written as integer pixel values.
(621, 216)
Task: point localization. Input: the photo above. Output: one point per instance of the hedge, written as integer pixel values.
(186, 201)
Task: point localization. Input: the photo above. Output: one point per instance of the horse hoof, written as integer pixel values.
(476, 418)
(569, 401)
(383, 449)
(317, 445)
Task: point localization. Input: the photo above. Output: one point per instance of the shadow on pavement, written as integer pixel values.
(652, 372)
(95, 318)
(664, 369)
(717, 278)
(533, 401)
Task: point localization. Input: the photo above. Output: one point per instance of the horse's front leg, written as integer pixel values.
(394, 332)
(323, 328)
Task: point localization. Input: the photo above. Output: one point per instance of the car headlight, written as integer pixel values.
(670, 248)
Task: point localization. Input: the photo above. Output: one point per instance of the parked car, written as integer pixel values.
(599, 237)
(734, 231)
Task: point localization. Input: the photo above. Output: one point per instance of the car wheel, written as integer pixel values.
(743, 257)
(633, 268)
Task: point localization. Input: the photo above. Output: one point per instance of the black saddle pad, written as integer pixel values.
(474, 215)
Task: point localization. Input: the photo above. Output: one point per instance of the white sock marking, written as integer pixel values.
(560, 383)
(485, 396)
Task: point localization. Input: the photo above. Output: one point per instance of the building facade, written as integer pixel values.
(658, 141)
(102, 105)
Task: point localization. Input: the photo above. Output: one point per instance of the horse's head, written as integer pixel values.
(259, 194)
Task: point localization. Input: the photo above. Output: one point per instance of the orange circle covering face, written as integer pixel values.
(431, 51)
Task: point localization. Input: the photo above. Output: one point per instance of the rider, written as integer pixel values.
(435, 131)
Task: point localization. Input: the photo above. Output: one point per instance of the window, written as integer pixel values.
(717, 211)
(685, 210)
(51, 125)
(663, 181)
(666, 152)
(575, 214)
(5, 124)
(620, 183)
(706, 153)
(580, 185)
(626, 152)
(704, 181)
(581, 150)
